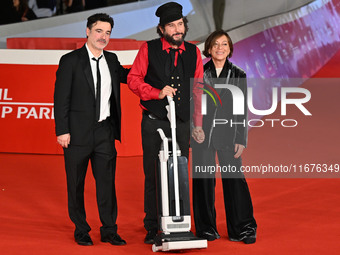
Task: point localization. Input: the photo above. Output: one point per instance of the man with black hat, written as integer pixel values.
(163, 67)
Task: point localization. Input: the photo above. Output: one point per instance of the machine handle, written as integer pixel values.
(170, 99)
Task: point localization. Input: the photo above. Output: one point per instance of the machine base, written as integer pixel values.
(178, 241)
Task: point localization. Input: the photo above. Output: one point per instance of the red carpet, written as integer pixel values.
(294, 216)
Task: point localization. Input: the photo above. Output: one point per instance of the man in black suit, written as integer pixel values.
(87, 120)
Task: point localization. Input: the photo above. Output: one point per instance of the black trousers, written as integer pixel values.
(237, 200)
(151, 143)
(102, 154)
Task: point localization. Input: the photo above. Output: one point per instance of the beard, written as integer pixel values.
(170, 38)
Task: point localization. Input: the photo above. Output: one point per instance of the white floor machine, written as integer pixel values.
(174, 198)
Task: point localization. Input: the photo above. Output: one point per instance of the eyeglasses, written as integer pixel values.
(217, 45)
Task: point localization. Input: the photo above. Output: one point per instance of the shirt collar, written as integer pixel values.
(90, 53)
(166, 45)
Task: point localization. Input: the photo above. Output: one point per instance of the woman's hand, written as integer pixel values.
(239, 150)
(198, 134)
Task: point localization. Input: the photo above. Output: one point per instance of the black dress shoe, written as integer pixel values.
(84, 239)
(248, 239)
(210, 235)
(113, 239)
(150, 236)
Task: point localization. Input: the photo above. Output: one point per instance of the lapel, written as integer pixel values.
(113, 72)
(226, 69)
(85, 63)
(224, 74)
(212, 69)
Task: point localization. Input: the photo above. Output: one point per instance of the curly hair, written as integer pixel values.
(185, 21)
(99, 17)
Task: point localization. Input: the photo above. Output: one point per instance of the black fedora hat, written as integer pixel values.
(169, 12)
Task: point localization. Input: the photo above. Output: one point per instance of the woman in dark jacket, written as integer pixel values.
(228, 140)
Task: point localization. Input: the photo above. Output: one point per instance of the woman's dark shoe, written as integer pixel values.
(210, 235)
(248, 236)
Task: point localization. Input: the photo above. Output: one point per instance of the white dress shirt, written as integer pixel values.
(106, 87)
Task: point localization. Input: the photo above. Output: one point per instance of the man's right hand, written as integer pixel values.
(167, 91)
(64, 140)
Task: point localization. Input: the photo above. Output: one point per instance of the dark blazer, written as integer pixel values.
(74, 96)
(224, 136)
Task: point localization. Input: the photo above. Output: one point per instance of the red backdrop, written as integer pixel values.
(26, 112)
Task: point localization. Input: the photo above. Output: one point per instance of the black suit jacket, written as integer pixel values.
(74, 96)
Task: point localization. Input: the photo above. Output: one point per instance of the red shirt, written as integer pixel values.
(146, 92)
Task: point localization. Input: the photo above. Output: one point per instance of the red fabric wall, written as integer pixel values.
(26, 112)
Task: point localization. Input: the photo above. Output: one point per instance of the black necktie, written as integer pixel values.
(98, 89)
(173, 57)
(170, 61)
